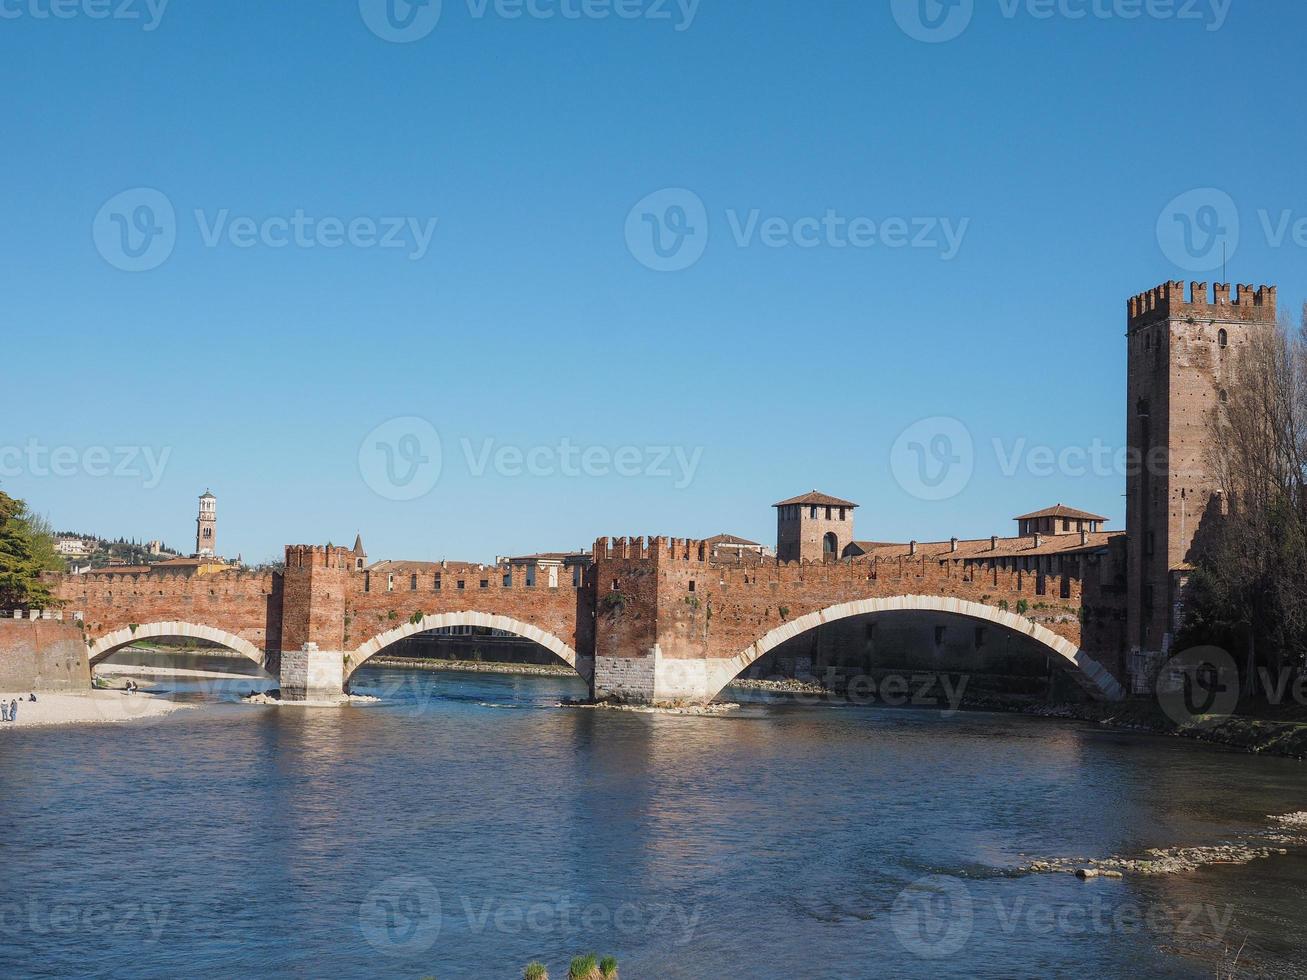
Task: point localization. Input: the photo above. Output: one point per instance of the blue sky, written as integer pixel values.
(783, 356)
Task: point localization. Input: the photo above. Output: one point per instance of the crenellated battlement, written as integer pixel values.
(318, 556)
(653, 548)
(1169, 301)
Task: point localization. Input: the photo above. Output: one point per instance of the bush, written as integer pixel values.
(583, 967)
(535, 971)
(608, 968)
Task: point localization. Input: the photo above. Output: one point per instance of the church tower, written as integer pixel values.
(1179, 362)
(206, 526)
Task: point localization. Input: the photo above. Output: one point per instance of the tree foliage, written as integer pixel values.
(26, 550)
(1249, 588)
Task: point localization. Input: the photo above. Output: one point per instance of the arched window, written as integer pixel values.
(1222, 340)
(830, 545)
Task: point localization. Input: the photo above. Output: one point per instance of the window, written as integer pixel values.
(828, 513)
(390, 583)
(530, 576)
(508, 580)
(436, 586)
(485, 583)
(461, 585)
(616, 582)
(830, 545)
(691, 585)
(812, 513)
(413, 583)
(1222, 339)
(842, 510)
(1066, 524)
(576, 576)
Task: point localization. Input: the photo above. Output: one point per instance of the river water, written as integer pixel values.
(463, 825)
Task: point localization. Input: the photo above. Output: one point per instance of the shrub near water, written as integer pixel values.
(584, 967)
(535, 971)
(608, 968)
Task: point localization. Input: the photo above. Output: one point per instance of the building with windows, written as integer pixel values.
(813, 527)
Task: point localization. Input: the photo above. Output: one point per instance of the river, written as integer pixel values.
(464, 825)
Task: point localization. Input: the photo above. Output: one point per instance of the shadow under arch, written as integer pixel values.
(109, 644)
(1089, 673)
(582, 665)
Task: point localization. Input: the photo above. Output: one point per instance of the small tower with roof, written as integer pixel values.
(813, 527)
(360, 556)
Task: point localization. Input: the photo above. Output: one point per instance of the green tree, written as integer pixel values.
(26, 550)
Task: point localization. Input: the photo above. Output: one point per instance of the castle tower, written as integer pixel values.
(1180, 355)
(813, 527)
(206, 526)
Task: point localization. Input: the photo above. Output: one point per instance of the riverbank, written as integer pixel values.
(87, 708)
(1263, 736)
(474, 666)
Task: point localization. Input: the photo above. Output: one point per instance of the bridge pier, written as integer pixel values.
(310, 674)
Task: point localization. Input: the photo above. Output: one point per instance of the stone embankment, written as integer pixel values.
(474, 666)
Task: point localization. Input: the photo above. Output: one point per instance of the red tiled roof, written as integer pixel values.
(730, 539)
(1061, 510)
(818, 498)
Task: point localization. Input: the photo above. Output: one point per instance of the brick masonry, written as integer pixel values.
(42, 655)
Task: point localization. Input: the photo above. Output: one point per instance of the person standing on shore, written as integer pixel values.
(13, 710)
(4, 711)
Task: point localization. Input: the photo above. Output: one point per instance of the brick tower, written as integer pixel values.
(813, 527)
(206, 526)
(1179, 361)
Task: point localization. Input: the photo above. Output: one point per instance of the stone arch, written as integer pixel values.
(1089, 673)
(583, 666)
(111, 643)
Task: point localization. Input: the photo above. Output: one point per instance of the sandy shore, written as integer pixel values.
(134, 670)
(86, 708)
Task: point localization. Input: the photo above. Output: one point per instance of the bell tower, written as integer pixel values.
(813, 527)
(206, 526)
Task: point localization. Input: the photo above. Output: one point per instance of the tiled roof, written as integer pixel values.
(981, 549)
(730, 539)
(1061, 510)
(818, 498)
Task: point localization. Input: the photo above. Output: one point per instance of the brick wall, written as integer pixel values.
(42, 655)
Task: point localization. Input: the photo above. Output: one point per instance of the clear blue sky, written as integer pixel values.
(530, 319)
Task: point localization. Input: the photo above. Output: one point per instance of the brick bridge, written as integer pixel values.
(655, 620)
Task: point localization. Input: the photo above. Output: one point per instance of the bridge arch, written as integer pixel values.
(374, 646)
(109, 644)
(1090, 674)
